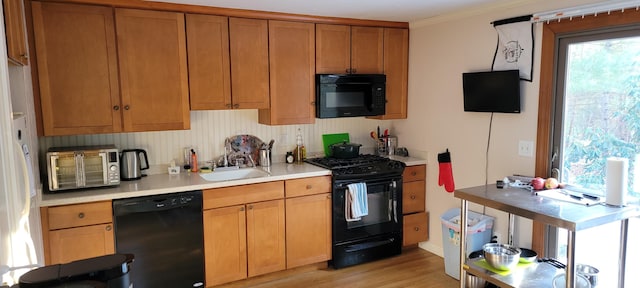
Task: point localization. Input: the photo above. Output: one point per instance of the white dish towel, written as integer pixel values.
(356, 204)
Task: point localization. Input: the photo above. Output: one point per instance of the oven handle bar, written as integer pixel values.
(394, 195)
(344, 183)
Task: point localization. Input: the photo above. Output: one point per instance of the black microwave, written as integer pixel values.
(350, 95)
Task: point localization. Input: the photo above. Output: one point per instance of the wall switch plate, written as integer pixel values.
(525, 148)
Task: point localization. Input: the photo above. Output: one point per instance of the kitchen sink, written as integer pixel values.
(237, 174)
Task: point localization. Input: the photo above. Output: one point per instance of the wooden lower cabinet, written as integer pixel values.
(251, 230)
(415, 219)
(415, 228)
(308, 220)
(75, 232)
(265, 237)
(225, 244)
(246, 239)
(67, 245)
(308, 229)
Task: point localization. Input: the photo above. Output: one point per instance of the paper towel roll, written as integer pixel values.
(616, 181)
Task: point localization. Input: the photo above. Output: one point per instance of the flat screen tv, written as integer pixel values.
(494, 91)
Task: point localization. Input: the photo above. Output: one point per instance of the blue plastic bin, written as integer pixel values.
(479, 232)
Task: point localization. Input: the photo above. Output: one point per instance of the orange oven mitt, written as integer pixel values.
(446, 174)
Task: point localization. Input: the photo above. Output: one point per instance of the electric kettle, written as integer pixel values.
(131, 165)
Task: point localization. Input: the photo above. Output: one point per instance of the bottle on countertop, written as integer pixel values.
(194, 161)
(300, 152)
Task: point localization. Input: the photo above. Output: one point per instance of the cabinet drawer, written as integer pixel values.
(414, 173)
(308, 186)
(415, 228)
(237, 195)
(413, 197)
(79, 215)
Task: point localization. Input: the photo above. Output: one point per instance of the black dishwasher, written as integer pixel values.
(164, 233)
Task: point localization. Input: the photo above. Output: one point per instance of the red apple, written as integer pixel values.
(551, 183)
(537, 183)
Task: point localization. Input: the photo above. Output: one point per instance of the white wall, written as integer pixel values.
(440, 50)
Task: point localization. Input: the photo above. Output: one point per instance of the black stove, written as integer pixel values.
(365, 165)
(378, 234)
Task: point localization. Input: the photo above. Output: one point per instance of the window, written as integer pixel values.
(597, 107)
(597, 112)
(590, 110)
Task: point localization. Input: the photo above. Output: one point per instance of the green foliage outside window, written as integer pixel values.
(602, 111)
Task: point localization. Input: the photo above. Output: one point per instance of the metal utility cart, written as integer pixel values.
(521, 202)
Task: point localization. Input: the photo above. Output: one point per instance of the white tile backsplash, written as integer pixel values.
(210, 128)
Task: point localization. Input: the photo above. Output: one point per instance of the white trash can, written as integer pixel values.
(479, 232)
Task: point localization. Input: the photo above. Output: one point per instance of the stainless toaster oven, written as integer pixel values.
(82, 167)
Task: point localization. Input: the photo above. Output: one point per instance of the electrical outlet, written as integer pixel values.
(525, 148)
(496, 237)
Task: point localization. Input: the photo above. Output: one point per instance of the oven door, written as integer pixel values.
(384, 197)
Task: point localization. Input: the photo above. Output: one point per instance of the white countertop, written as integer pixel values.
(165, 183)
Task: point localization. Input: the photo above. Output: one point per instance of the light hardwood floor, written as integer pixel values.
(414, 268)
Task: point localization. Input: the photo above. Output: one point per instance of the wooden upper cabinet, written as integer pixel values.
(153, 70)
(396, 67)
(292, 74)
(77, 68)
(333, 48)
(209, 69)
(249, 52)
(15, 32)
(366, 50)
(349, 49)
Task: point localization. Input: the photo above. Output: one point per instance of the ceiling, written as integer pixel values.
(387, 10)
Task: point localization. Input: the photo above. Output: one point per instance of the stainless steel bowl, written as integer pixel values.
(501, 256)
(589, 272)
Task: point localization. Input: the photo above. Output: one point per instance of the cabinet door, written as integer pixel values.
(396, 67)
(308, 229)
(415, 228)
(265, 237)
(77, 68)
(366, 50)
(209, 70)
(15, 32)
(249, 52)
(333, 49)
(153, 70)
(72, 244)
(225, 245)
(292, 74)
(413, 197)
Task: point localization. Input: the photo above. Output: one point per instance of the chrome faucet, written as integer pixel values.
(225, 161)
(253, 164)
